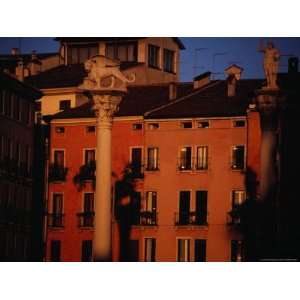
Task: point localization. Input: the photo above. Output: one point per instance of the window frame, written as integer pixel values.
(155, 162)
(62, 102)
(155, 51)
(233, 166)
(205, 168)
(188, 239)
(152, 255)
(169, 66)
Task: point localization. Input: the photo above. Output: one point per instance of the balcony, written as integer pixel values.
(148, 218)
(56, 220)
(57, 173)
(234, 216)
(86, 219)
(191, 218)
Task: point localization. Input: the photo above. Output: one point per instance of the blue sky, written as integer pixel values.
(195, 59)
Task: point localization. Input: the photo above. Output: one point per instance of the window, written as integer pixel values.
(201, 208)
(64, 104)
(89, 156)
(236, 250)
(184, 208)
(238, 153)
(202, 158)
(60, 130)
(200, 250)
(186, 125)
(152, 162)
(55, 250)
(87, 250)
(153, 126)
(168, 61)
(79, 54)
(183, 250)
(238, 198)
(203, 124)
(153, 56)
(150, 248)
(90, 129)
(133, 250)
(59, 158)
(56, 220)
(125, 52)
(148, 217)
(137, 126)
(88, 210)
(185, 158)
(136, 160)
(239, 123)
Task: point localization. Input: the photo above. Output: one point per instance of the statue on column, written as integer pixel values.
(271, 61)
(100, 67)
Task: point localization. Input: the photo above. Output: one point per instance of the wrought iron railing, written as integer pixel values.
(191, 218)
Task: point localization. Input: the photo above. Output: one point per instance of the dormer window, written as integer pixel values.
(125, 52)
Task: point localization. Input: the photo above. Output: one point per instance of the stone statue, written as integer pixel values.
(271, 61)
(100, 67)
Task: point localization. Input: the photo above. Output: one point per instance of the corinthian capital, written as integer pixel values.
(105, 107)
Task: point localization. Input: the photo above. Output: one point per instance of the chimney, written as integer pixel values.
(20, 70)
(293, 65)
(202, 80)
(14, 51)
(35, 64)
(172, 90)
(233, 75)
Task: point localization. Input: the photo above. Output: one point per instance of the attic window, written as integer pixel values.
(186, 125)
(203, 124)
(90, 129)
(137, 126)
(60, 130)
(153, 126)
(239, 123)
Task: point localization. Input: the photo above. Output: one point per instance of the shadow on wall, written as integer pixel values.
(127, 208)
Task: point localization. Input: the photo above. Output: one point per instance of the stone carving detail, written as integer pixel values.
(105, 106)
(271, 61)
(100, 67)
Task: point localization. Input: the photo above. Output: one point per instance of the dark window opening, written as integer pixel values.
(239, 123)
(185, 159)
(153, 56)
(87, 250)
(203, 124)
(91, 129)
(64, 104)
(125, 52)
(60, 129)
(187, 125)
(168, 61)
(238, 157)
(55, 250)
(137, 126)
(200, 250)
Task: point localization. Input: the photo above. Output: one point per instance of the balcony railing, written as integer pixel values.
(57, 173)
(56, 220)
(191, 218)
(234, 216)
(148, 218)
(86, 219)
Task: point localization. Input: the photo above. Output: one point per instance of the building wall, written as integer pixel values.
(15, 177)
(219, 180)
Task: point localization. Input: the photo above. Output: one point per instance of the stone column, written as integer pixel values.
(269, 105)
(105, 106)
